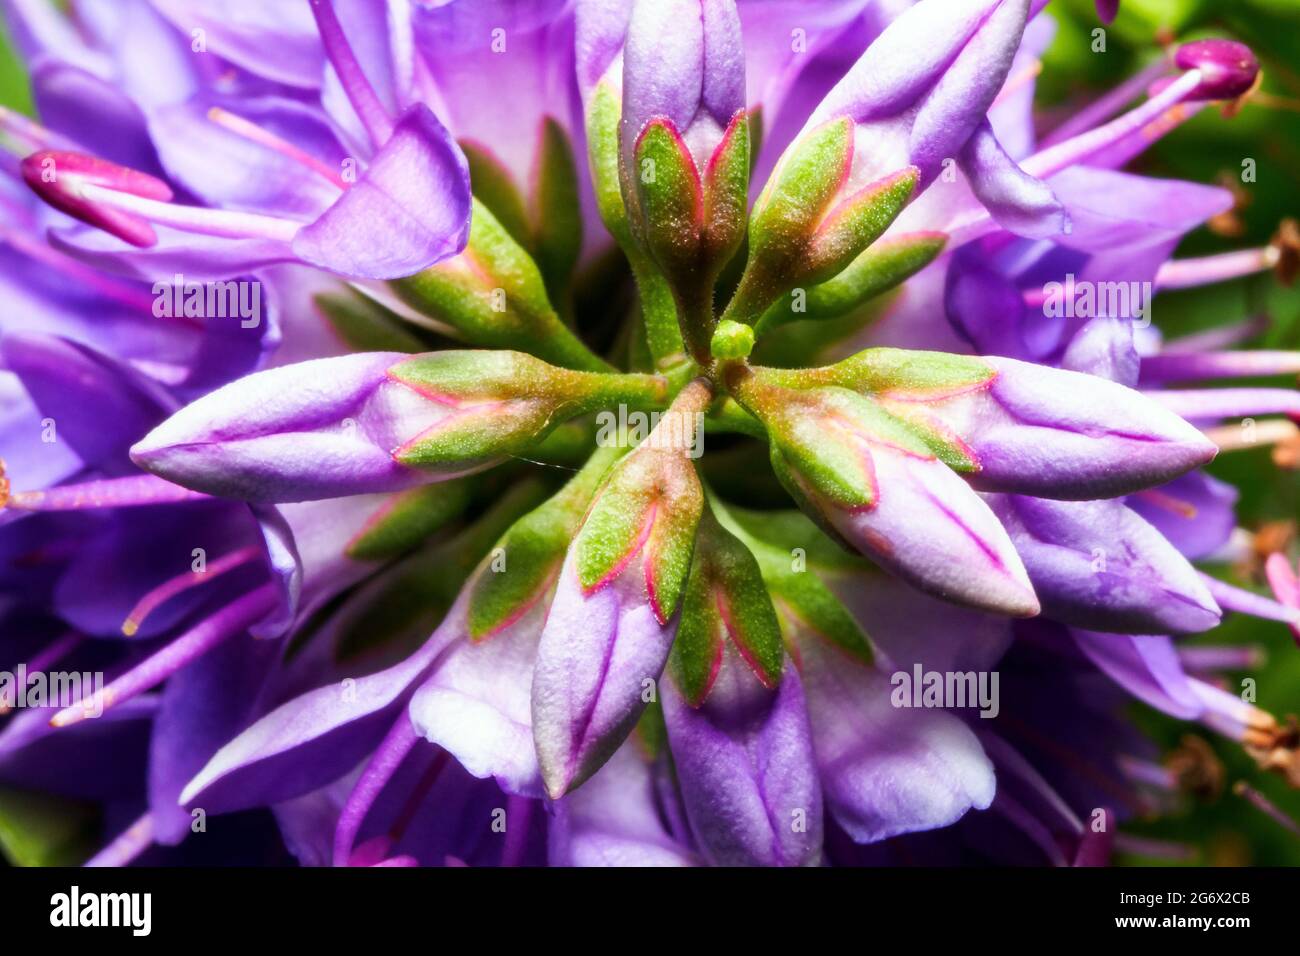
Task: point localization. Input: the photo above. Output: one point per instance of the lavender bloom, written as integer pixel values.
(449, 543)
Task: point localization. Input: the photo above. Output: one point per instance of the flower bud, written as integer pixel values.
(613, 620)
(1030, 429)
(684, 147)
(869, 480)
(379, 421)
(1098, 565)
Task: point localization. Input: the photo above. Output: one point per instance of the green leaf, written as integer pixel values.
(558, 210)
(365, 326)
(38, 829)
(408, 519)
(493, 186)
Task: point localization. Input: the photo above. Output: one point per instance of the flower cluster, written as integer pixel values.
(607, 432)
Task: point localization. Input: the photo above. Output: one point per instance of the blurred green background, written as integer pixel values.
(1210, 828)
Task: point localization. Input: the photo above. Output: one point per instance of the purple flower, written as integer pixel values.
(468, 550)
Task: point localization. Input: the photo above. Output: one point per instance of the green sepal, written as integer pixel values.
(793, 557)
(882, 266)
(493, 186)
(649, 505)
(671, 200)
(494, 295)
(787, 213)
(557, 210)
(532, 551)
(855, 224)
(726, 193)
(805, 181)
(725, 599)
(366, 326)
(503, 403)
(909, 374)
(408, 518)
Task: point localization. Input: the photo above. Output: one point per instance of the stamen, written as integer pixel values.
(132, 491)
(82, 274)
(1186, 367)
(184, 582)
(1146, 772)
(1196, 768)
(1247, 602)
(1229, 402)
(224, 223)
(1228, 69)
(362, 96)
(1223, 337)
(398, 742)
(128, 845)
(1262, 803)
(233, 619)
(1162, 499)
(1109, 104)
(1053, 159)
(1272, 431)
(29, 135)
(1154, 849)
(54, 652)
(1018, 81)
(1206, 659)
(62, 178)
(254, 133)
(1208, 270)
(1282, 579)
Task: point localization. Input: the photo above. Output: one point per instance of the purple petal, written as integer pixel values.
(274, 40)
(887, 770)
(318, 429)
(1019, 202)
(313, 739)
(477, 704)
(68, 382)
(1145, 666)
(745, 766)
(599, 658)
(1097, 564)
(930, 529)
(613, 819)
(409, 210)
